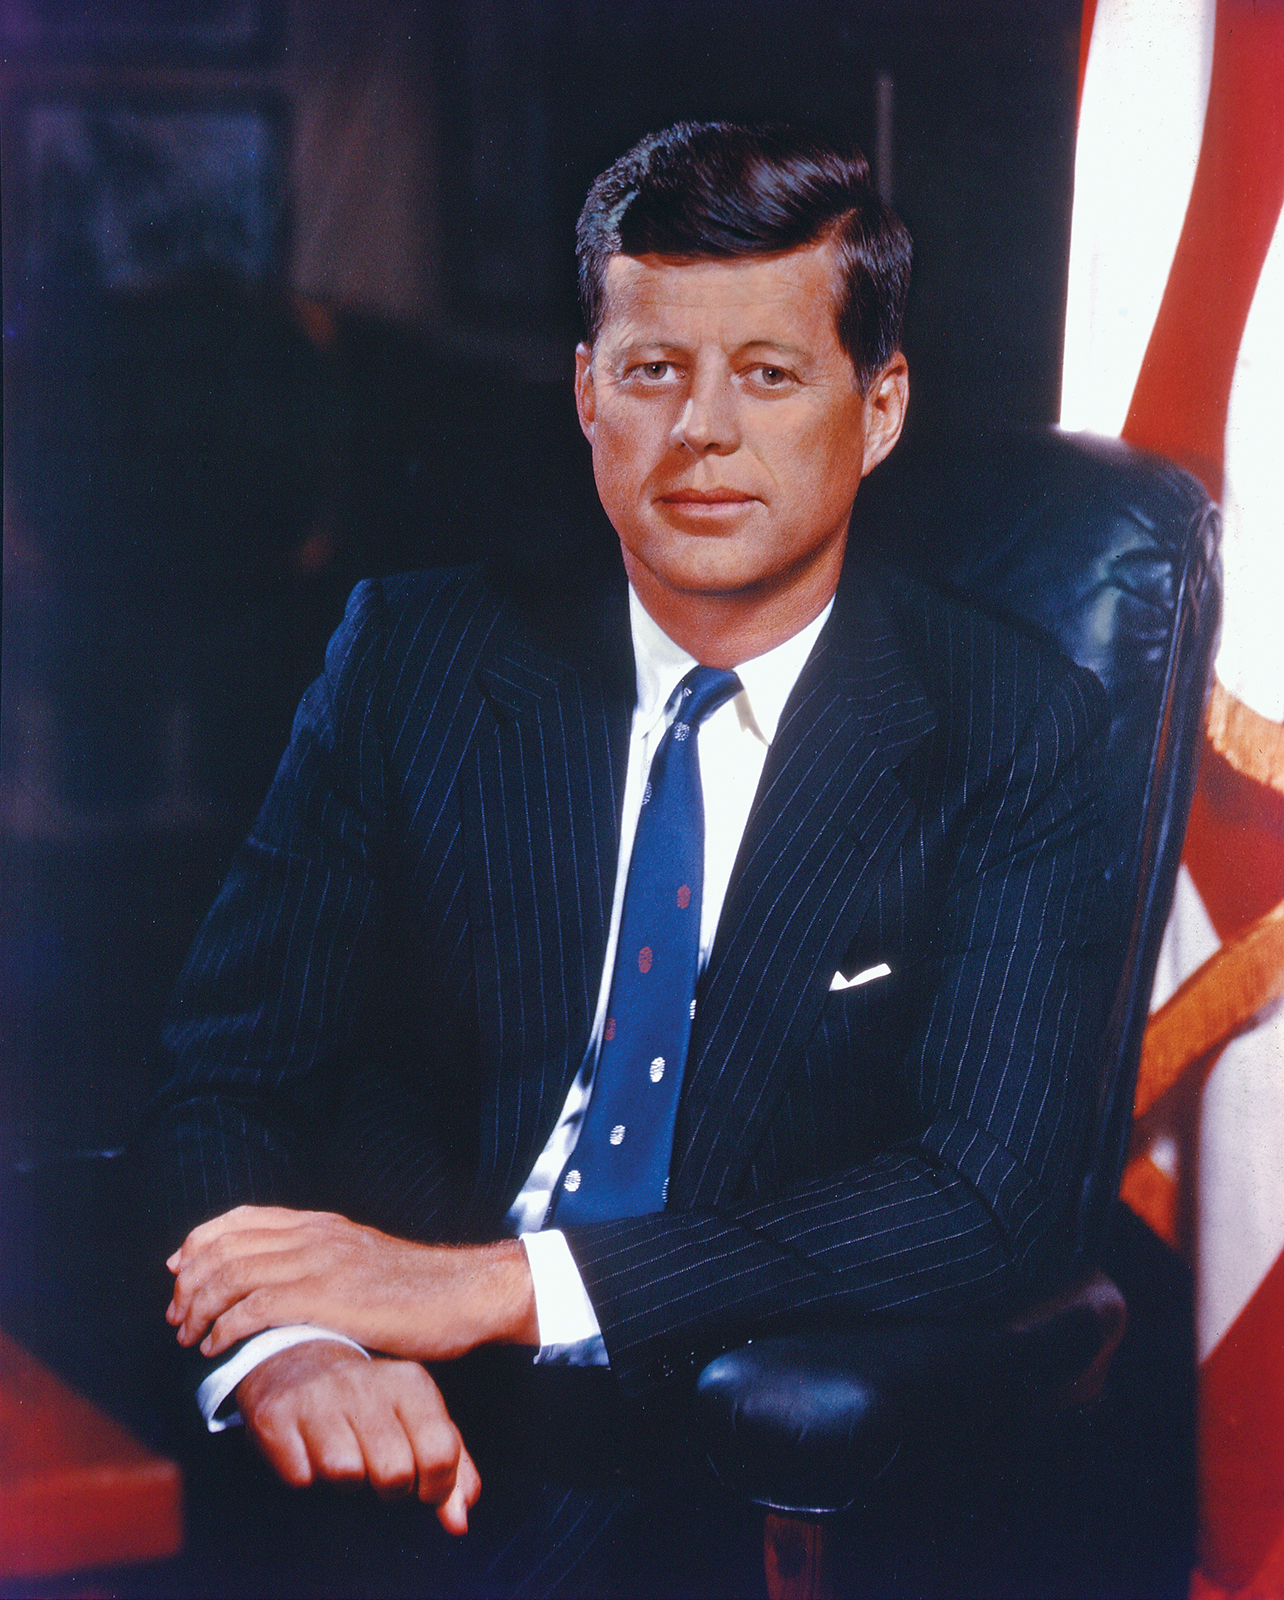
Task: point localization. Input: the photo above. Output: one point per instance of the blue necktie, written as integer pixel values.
(620, 1164)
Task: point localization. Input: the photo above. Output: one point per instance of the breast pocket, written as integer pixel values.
(843, 982)
(865, 997)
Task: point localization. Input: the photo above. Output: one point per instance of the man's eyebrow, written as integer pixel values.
(634, 347)
(632, 344)
(630, 349)
(777, 346)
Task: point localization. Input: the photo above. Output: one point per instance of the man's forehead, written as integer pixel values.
(789, 287)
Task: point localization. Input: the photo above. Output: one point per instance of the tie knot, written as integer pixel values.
(703, 690)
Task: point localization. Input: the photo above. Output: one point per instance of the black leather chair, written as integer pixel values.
(1115, 554)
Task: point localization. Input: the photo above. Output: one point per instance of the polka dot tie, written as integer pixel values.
(620, 1164)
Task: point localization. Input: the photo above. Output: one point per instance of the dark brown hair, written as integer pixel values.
(712, 190)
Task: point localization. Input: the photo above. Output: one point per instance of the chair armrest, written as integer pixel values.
(806, 1424)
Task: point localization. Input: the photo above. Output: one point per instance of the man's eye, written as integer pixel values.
(772, 376)
(651, 371)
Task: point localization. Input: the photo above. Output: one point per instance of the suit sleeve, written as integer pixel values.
(997, 1081)
(269, 999)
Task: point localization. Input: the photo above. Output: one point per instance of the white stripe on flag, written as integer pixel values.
(1241, 1195)
(1140, 127)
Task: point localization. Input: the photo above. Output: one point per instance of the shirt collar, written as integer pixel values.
(767, 680)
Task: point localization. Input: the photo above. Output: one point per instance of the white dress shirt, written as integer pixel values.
(733, 745)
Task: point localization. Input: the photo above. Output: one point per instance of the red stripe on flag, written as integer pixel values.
(1267, 1583)
(1182, 396)
(1235, 845)
(1241, 1438)
(1085, 40)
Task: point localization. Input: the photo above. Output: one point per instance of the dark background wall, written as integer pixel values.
(288, 298)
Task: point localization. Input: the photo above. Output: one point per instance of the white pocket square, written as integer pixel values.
(882, 970)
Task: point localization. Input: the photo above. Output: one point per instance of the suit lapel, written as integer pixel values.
(829, 815)
(541, 831)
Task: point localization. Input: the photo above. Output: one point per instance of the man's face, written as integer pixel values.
(729, 436)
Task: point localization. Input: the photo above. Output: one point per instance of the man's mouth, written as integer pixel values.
(708, 508)
(707, 497)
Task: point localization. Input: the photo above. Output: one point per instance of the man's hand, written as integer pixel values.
(321, 1410)
(264, 1266)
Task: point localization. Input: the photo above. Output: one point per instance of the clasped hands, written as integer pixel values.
(320, 1409)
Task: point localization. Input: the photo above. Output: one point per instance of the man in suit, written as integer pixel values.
(404, 1003)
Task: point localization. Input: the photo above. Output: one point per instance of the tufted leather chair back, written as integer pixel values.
(1114, 554)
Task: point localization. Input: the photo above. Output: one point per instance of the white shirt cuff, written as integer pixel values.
(220, 1383)
(569, 1332)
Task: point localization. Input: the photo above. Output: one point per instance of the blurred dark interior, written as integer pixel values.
(289, 300)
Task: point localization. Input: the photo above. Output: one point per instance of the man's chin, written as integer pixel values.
(713, 557)
(703, 575)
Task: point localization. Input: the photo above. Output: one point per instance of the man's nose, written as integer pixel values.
(708, 423)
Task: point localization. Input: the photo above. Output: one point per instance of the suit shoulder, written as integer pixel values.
(409, 618)
(971, 656)
(407, 643)
(449, 598)
(559, 607)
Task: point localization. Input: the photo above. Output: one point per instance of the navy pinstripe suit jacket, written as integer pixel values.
(386, 1006)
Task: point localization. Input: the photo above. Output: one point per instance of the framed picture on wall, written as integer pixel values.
(187, 31)
(123, 193)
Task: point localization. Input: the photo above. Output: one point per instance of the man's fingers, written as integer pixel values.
(210, 1286)
(251, 1217)
(334, 1450)
(285, 1452)
(246, 1228)
(438, 1449)
(259, 1310)
(226, 1260)
(195, 1265)
(272, 1421)
(233, 1296)
(218, 1272)
(453, 1513)
(239, 1218)
(320, 1410)
(294, 1398)
(389, 1456)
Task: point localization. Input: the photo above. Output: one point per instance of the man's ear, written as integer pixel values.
(585, 398)
(885, 411)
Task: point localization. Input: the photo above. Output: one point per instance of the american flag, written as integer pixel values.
(1175, 341)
